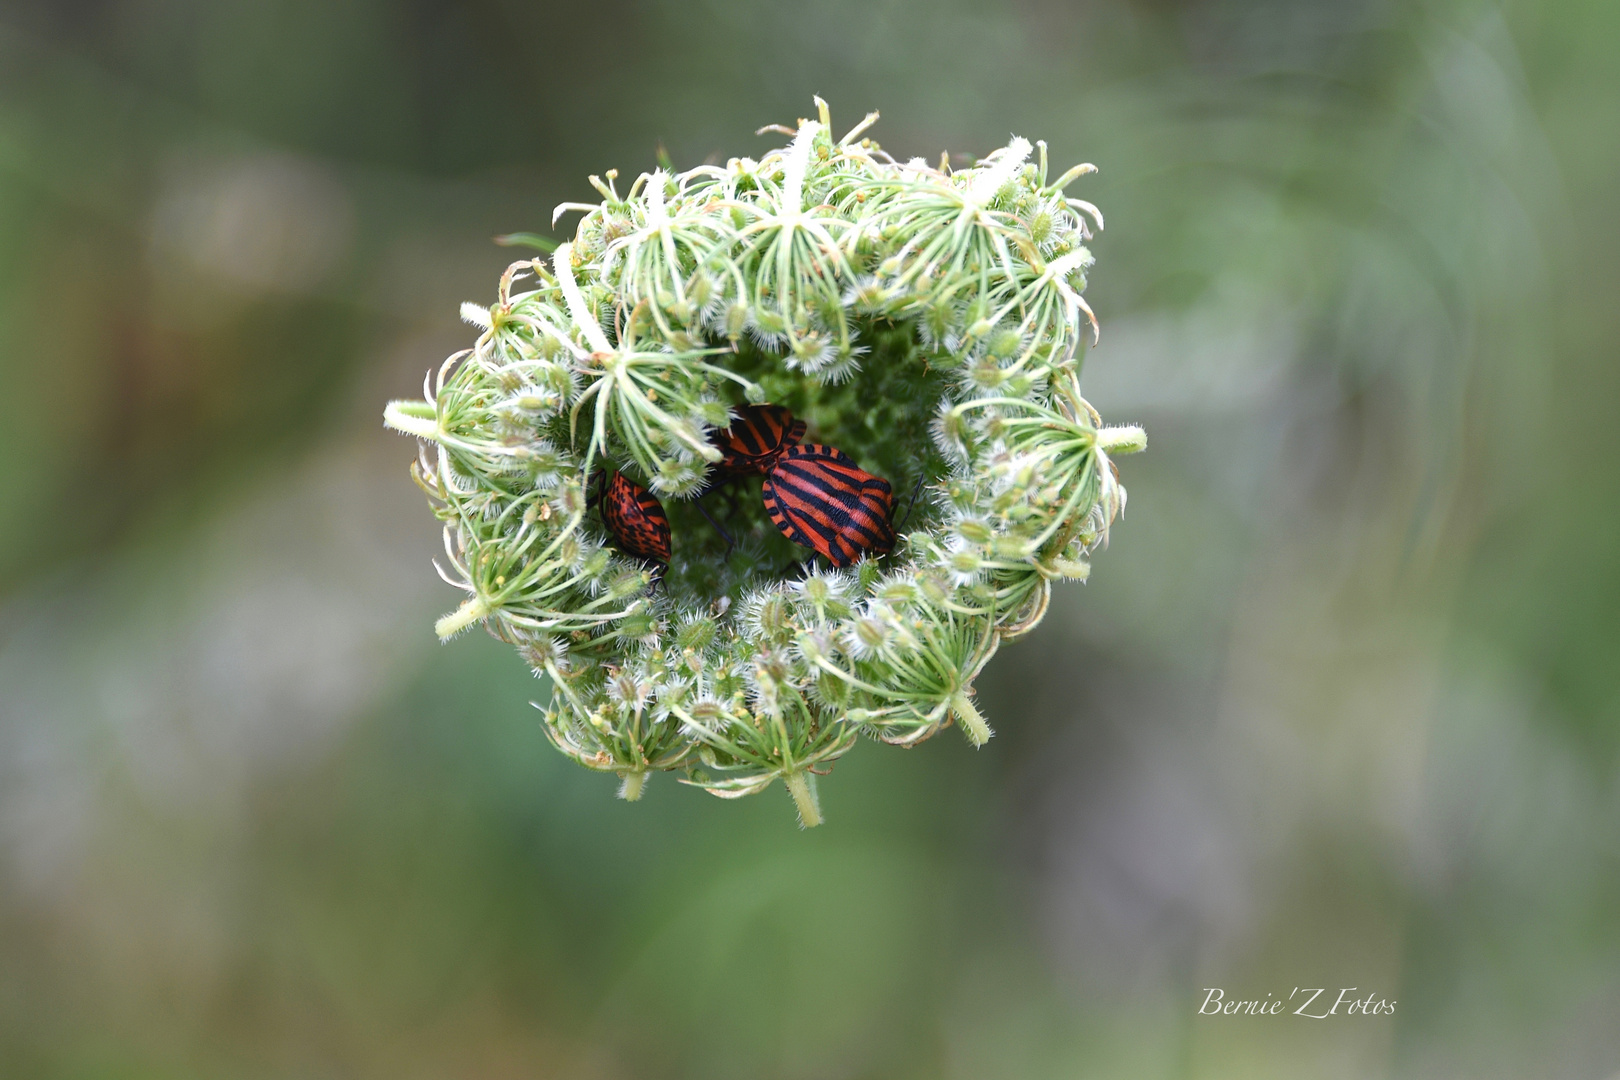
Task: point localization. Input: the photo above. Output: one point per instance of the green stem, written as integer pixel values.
(802, 786)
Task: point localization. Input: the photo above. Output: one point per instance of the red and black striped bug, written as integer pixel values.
(636, 519)
(756, 439)
(821, 499)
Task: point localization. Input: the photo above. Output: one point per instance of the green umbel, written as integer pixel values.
(928, 323)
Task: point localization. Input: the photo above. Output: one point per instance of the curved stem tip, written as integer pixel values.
(802, 786)
(973, 724)
(631, 785)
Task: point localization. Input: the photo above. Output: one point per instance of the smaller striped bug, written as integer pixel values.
(636, 519)
(819, 498)
(756, 439)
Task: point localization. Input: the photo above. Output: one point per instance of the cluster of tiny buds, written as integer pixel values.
(619, 355)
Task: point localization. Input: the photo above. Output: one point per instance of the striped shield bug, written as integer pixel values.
(636, 519)
(819, 498)
(756, 438)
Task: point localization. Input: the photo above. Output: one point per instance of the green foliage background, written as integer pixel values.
(1338, 709)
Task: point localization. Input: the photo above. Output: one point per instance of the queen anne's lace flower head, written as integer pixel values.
(926, 322)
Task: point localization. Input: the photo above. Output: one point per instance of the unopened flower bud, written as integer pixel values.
(866, 635)
(595, 564)
(974, 531)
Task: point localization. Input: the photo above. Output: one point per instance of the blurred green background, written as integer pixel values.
(1338, 709)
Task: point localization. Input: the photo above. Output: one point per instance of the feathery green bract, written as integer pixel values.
(927, 322)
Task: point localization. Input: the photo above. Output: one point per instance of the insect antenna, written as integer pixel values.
(730, 543)
(915, 491)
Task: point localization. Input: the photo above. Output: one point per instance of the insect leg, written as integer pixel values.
(597, 482)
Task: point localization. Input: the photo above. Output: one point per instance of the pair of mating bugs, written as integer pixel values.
(816, 495)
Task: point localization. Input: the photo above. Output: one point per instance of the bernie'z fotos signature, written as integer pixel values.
(1306, 1001)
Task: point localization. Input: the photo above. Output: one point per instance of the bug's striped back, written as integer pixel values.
(818, 497)
(636, 519)
(756, 438)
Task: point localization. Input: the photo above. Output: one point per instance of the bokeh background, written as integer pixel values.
(1338, 709)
